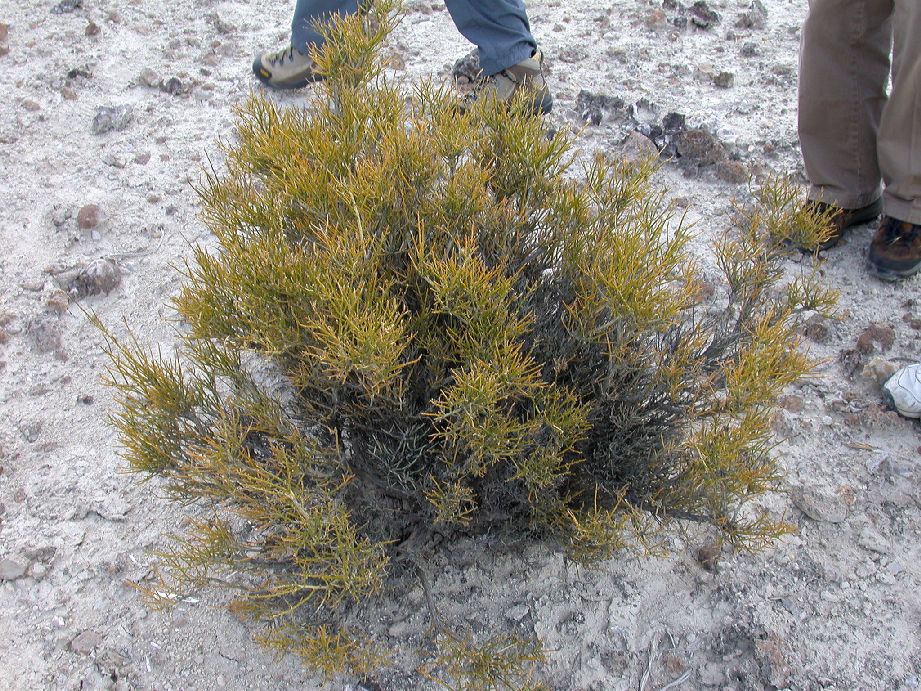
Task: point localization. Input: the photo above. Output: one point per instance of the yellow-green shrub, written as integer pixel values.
(477, 337)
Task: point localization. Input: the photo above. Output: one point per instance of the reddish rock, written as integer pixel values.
(656, 18)
(700, 146)
(732, 172)
(792, 402)
(873, 336)
(639, 148)
(89, 216)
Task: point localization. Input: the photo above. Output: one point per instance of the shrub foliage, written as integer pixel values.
(476, 336)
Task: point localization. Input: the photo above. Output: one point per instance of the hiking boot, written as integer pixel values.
(285, 69)
(527, 76)
(895, 252)
(841, 220)
(904, 391)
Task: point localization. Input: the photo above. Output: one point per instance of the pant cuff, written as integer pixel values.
(494, 64)
(842, 200)
(902, 209)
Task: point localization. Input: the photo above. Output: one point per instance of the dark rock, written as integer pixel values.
(644, 114)
(109, 118)
(66, 6)
(674, 123)
(708, 555)
(749, 50)
(92, 29)
(702, 16)
(701, 147)
(851, 361)
(174, 86)
(82, 72)
(593, 106)
(815, 328)
(467, 69)
(221, 26)
(666, 138)
(912, 321)
(724, 80)
(100, 276)
(753, 18)
(572, 54)
(89, 216)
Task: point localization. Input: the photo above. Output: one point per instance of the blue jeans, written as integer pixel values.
(499, 28)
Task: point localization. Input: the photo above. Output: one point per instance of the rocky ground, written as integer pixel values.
(110, 109)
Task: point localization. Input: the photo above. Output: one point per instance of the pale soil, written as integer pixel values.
(836, 606)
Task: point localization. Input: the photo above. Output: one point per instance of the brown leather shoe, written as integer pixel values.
(527, 76)
(842, 219)
(895, 252)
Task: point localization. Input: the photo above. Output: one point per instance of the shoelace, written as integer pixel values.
(279, 57)
(896, 231)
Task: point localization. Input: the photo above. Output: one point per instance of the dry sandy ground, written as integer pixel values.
(836, 606)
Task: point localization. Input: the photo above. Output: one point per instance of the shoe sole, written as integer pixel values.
(892, 275)
(282, 86)
(541, 106)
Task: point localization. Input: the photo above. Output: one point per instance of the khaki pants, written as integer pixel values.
(851, 134)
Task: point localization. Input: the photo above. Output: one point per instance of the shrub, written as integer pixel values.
(472, 338)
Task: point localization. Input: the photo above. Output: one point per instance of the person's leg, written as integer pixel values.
(499, 28)
(844, 67)
(895, 251)
(292, 67)
(306, 12)
(899, 141)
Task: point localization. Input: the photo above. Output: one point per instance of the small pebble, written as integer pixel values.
(112, 118)
(149, 77)
(86, 642)
(724, 80)
(819, 505)
(66, 6)
(100, 276)
(11, 570)
(517, 612)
